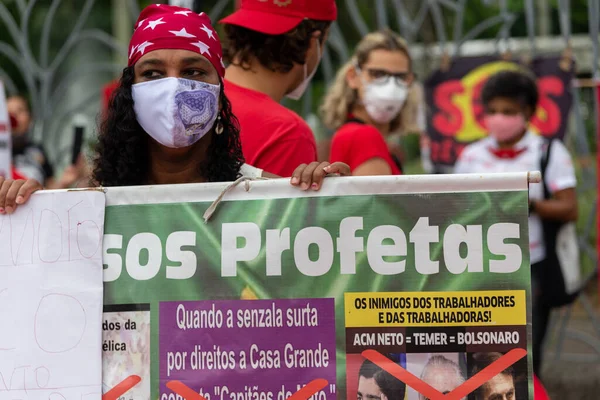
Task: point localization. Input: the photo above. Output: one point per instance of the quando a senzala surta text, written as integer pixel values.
(387, 248)
(270, 316)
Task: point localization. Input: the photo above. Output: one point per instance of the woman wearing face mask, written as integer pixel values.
(169, 121)
(367, 102)
(510, 99)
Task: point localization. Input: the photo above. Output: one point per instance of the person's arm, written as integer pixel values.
(561, 181)
(69, 179)
(373, 166)
(562, 206)
(14, 193)
(310, 176)
(363, 148)
(369, 153)
(50, 183)
(72, 176)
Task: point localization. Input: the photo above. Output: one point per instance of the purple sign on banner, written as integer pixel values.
(263, 349)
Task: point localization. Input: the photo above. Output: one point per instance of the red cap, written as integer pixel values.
(161, 26)
(275, 17)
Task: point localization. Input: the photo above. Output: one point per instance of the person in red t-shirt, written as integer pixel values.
(274, 48)
(368, 101)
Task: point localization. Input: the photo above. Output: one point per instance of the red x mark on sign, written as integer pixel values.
(122, 388)
(303, 394)
(379, 359)
(457, 394)
(184, 391)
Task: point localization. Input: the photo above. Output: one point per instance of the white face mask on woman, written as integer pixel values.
(383, 98)
(176, 112)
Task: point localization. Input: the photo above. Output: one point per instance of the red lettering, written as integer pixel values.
(449, 119)
(447, 147)
(435, 151)
(446, 151)
(549, 86)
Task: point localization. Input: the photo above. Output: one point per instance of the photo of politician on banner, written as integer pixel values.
(351, 292)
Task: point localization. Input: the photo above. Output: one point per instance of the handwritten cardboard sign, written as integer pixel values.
(51, 297)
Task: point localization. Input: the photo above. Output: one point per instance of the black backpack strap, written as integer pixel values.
(545, 160)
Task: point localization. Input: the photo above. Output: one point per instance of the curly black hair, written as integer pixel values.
(278, 53)
(515, 85)
(122, 149)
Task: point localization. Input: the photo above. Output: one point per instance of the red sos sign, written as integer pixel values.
(449, 117)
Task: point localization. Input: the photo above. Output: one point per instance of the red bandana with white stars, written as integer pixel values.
(161, 26)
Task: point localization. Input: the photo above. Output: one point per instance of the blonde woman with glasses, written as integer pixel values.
(370, 100)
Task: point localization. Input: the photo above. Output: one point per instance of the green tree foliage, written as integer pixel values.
(63, 21)
(101, 18)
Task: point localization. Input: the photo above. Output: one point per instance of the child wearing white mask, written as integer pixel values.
(368, 101)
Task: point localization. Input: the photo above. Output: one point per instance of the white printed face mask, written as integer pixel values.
(383, 100)
(297, 93)
(176, 112)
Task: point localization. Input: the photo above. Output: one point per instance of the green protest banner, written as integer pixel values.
(355, 291)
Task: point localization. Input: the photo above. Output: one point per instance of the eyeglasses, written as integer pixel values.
(382, 76)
